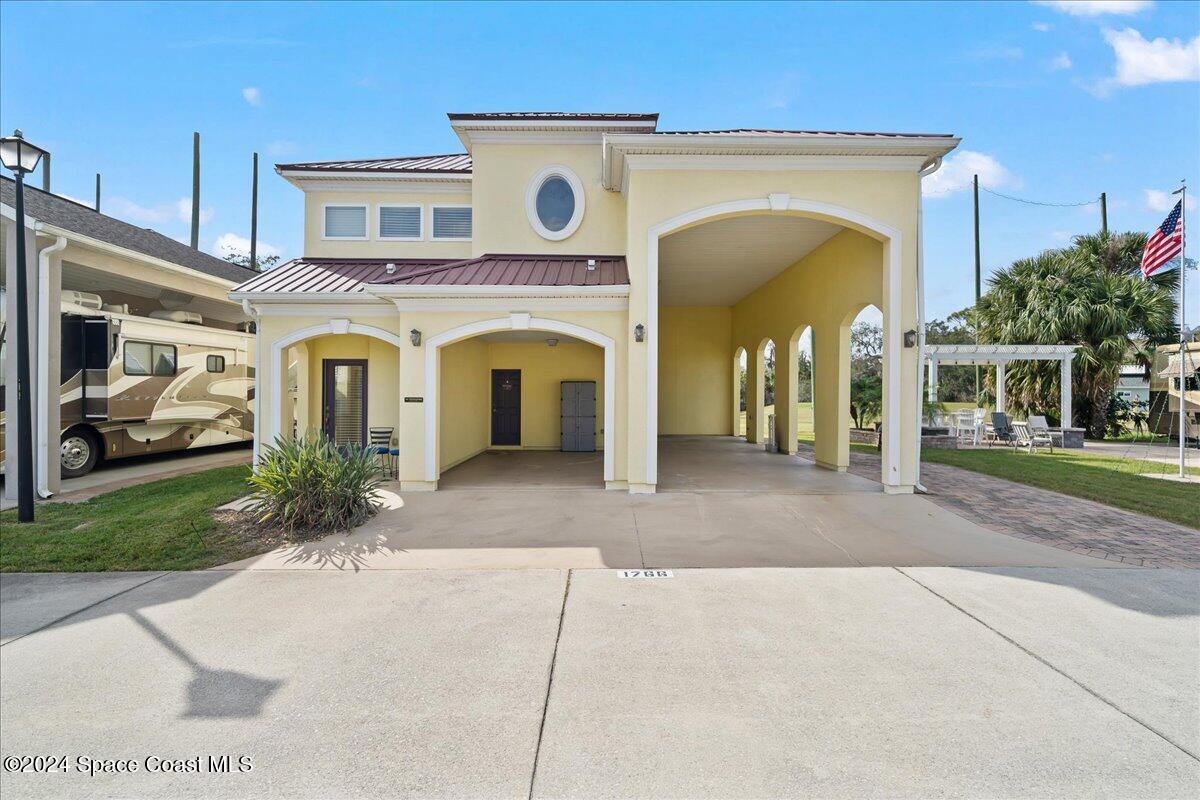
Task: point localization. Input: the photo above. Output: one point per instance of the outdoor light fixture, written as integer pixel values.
(910, 338)
(414, 336)
(591, 265)
(389, 268)
(552, 342)
(19, 155)
(639, 332)
(21, 158)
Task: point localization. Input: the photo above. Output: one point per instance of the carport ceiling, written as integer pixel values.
(101, 282)
(719, 263)
(525, 337)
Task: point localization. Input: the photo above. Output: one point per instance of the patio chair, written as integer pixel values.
(381, 446)
(1002, 430)
(1038, 427)
(1028, 438)
(965, 426)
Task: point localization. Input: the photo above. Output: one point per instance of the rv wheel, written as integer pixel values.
(78, 453)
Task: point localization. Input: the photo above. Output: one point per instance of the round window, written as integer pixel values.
(555, 203)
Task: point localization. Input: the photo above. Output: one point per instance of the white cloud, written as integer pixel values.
(252, 96)
(1141, 61)
(1061, 61)
(1095, 8)
(1159, 201)
(957, 171)
(178, 211)
(1042, 27)
(228, 244)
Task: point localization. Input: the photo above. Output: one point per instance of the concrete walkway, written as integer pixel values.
(718, 683)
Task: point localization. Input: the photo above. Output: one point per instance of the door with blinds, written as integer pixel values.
(344, 401)
(578, 416)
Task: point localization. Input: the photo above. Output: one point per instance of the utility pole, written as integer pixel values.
(1104, 213)
(254, 217)
(46, 173)
(195, 191)
(97, 191)
(978, 273)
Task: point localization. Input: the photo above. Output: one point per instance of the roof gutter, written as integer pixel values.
(933, 166)
(44, 389)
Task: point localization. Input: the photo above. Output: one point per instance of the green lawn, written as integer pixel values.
(1105, 479)
(161, 525)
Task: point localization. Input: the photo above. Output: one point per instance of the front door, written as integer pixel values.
(506, 406)
(344, 401)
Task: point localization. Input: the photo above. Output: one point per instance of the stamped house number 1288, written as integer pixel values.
(645, 573)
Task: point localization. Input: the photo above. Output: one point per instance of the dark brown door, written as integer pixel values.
(506, 406)
(344, 400)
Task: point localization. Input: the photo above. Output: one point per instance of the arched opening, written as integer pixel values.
(739, 392)
(802, 372)
(866, 374)
(338, 379)
(519, 402)
(765, 369)
(780, 269)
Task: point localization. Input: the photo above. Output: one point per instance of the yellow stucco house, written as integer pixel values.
(587, 281)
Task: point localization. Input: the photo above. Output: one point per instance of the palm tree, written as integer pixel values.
(1091, 295)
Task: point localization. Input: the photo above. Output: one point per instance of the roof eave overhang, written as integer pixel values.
(624, 151)
(319, 179)
(468, 130)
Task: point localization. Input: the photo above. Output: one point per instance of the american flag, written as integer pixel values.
(1165, 243)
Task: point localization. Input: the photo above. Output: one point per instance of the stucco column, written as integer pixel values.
(47, 398)
(736, 398)
(786, 389)
(831, 396)
(754, 396)
(410, 424)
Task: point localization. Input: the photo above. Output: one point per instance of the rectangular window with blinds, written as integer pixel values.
(345, 222)
(452, 223)
(400, 223)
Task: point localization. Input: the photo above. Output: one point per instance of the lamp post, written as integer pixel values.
(22, 157)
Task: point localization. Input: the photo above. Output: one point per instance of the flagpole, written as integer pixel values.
(1182, 328)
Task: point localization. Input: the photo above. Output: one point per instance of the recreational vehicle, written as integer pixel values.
(131, 385)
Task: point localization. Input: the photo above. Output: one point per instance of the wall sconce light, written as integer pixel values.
(910, 338)
(414, 336)
(639, 332)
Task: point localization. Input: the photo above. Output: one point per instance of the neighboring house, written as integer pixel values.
(484, 300)
(125, 275)
(1164, 391)
(1133, 386)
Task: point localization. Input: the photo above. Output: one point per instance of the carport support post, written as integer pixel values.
(1064, 391)
(755, 389)
(1000, 387)
(831, 398)
(786, 388)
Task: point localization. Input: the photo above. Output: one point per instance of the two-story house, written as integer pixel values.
(587, 281)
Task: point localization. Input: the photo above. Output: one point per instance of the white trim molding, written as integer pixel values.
(531, 194)
(775, 203)
(271, 372)
(516, 321)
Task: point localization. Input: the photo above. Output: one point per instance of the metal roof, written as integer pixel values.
(69, 215)
(331, 275)
(534, 116)
(453, 163)
(520, 270)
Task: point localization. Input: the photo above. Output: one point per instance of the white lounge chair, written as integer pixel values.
(1031, 439)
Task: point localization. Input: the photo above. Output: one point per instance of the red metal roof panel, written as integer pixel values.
(454, 163)
(519, 270)
(324, 275)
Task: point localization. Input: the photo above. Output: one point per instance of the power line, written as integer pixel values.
(1038, 202)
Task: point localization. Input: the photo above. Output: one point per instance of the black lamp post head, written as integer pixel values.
(19, 155)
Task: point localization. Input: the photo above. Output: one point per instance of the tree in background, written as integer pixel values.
(1091, 295)
(956, 383)
(866, 373)
(804, 375)
(243, 260)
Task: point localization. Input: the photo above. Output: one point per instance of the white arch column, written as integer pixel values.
(517, 322)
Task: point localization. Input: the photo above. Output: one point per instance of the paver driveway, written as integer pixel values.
(863, 682)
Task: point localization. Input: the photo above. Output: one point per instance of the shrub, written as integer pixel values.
(310, 487)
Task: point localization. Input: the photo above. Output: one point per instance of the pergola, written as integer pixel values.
(999, 356)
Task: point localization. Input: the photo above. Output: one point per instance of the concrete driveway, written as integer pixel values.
(865, 682)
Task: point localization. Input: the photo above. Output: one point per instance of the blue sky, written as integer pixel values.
(1055, 102)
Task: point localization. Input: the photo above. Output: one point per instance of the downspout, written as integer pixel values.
(252, 312)
(933, 166)
(43, 366)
